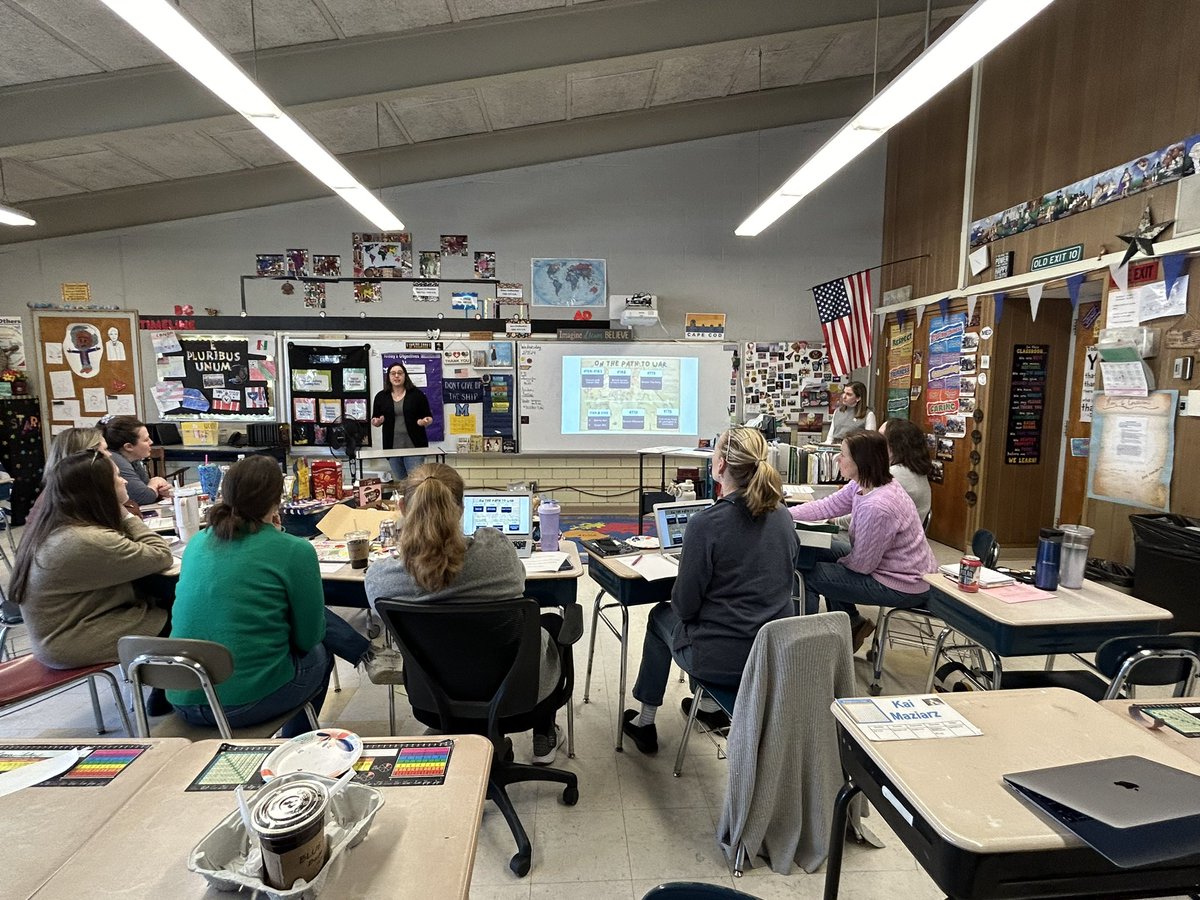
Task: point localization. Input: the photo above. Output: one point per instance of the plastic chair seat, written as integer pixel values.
(24, 678)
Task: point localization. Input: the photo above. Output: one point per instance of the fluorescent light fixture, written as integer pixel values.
(981, 29)
(10, 215)
(174, 35)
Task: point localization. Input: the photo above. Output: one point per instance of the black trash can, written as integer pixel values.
(1166, 568)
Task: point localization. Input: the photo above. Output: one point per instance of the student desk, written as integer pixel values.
(1074, 621)
(45, 825)
(647, 499)
(1187, 746)
(421, 844)
(947, 801)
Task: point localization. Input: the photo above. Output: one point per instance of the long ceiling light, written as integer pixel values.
(982, 28)
(10, 215)
(167, 29)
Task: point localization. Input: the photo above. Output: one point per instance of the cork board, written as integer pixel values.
(90, 366)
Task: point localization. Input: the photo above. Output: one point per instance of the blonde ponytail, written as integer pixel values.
(745, 452)
(431, 542)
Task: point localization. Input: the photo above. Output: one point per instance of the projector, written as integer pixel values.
(633, 317)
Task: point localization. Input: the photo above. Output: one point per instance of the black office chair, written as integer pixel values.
(473, 668)
(694, 890)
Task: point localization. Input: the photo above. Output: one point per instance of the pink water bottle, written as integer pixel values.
(548, 513)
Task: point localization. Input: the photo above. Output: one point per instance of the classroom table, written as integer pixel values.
(947, 801)
(421, 844)
(647, 499)
(44, 826)
(1073, 621)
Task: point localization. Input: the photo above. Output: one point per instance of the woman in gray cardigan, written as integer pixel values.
(74, 571)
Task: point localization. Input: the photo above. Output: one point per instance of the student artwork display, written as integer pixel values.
(214, 376)
(791, 381)
(945, 359)
(367, 292)
(1132, 449)
(454, 245)
(431, 264)
(485, 264)
(1026, 404)
(314, 295)
(328, 386)
(899, 370)
(90, 366)
(569, 282)
(327, 265)
(386, 254)
(297, 262)
(270, 265)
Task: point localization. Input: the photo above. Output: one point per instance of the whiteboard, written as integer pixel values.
(621, 397)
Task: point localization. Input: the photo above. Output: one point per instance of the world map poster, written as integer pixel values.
(568, 282)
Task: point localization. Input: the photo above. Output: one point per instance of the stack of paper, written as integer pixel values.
(545, 562)
(652, 566)
(988, 578)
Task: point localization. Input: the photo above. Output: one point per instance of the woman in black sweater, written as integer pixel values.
(402, 410)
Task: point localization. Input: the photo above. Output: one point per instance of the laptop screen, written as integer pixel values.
(671, 519)
(510, 514)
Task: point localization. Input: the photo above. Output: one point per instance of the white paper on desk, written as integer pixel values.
(914, 718)
(666, 448)
(545, 562)
(652, 566)
(35, 773)
(329, 568)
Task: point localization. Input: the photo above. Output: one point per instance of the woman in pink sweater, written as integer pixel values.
(888, 552)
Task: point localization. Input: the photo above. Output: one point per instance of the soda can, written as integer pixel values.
(968, 573)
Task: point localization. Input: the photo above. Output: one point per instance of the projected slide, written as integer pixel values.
(629, 395)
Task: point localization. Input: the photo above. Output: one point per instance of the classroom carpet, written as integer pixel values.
(599, 525)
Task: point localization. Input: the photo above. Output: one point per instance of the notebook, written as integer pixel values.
(1132, 810)
(988, 578)
(670, 523)
(509, 513)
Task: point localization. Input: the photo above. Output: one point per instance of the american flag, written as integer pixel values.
(845, 310)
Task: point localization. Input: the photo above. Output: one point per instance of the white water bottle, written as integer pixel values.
(548, 512)
(187, 514)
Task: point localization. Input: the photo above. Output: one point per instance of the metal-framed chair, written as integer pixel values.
(24, 681)
(182, 665)
(725, 697)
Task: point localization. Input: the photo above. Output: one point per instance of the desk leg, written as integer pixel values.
(837, 839)
(937, 653)
(587, 681)
(624, 666)
(641, 494)
(570, 727)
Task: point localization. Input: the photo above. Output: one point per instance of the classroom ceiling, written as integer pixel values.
(98, 130)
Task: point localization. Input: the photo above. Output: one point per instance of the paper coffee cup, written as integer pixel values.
(289, 819)
(358, 543)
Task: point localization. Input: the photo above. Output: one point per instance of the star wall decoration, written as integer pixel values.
(1143, 237)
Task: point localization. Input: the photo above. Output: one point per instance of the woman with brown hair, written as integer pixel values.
(257, 590)
(129, 443)
(73, 576)
(852, 414)
(888, 554)
(735, 575)
(438, 564)
(402, 411)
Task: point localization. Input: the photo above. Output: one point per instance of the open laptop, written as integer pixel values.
(509, 513)
(670, 524)
(1132, 810)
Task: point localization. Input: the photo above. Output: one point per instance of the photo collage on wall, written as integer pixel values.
(329, 389)
(228, 377)
(792, 382)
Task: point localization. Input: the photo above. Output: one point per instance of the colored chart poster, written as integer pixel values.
(99, 767)
(945, 362)
(1132, 452)
(1026, 405)
(899, 363)
(425, 370)
(497, 406)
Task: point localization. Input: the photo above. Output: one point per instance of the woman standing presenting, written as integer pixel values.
(129, 443)
(402, 409)
(852, 413)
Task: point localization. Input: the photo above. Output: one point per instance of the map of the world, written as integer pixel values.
(568, 282)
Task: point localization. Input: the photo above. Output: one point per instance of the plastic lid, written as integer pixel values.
(1051, 534)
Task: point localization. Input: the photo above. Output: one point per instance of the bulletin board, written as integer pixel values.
(329, 384)
(221, 377)
(90, 366)
(790, 380)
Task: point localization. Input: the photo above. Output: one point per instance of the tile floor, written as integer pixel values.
(635, 825)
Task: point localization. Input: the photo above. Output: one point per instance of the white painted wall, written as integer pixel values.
(663, 217)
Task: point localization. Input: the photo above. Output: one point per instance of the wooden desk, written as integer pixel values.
(44, 826)
(421, 844)
(946, 799)
(1074, 621)
(627, 588)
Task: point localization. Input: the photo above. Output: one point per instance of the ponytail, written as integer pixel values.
(432, 545)
(250, 490)
(745, 452)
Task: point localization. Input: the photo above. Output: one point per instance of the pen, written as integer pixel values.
(635, 561)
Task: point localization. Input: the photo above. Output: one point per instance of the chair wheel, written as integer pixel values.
(519, 865)
(570, 795)
(875, 690)
(373, 630)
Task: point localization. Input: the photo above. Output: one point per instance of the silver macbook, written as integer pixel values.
(671, 521)
(1133, 810)
(509, 513)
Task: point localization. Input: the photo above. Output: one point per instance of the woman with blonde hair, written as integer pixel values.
(439, 564)
(735, 575)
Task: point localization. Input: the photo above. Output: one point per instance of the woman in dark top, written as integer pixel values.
(735, 575)
(129, 443)
(402, 410)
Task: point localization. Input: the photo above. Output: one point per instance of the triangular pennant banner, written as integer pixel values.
(944, 306)
(1035, 299)
(920, 315)
(1172, 267)
(999, 302)
(1073, 283)
(901, 316)
(1120, 274)
(972, 300)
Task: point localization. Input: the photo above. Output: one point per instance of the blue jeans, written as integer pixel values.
(402, 465)
(309, 684)
(342, 641)
(842, 588)
(662, 627)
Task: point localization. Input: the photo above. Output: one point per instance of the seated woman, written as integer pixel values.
(437, 564)
(852, 413)
(888, 552)
(735, 575)
(75, 567)
(249, 586)
(910, 463)
(129, 442)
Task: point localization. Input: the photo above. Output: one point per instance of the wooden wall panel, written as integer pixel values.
(1075, 468)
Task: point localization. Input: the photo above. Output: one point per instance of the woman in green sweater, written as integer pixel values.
(248, 585)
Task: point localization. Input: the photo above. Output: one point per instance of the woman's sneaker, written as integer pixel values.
(545, 747)
(384, 666)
